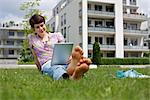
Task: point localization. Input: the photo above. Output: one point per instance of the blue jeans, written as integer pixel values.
(55, 71)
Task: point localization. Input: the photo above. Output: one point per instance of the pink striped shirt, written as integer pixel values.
(42, 50)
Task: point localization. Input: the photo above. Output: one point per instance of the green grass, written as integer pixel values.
(98, 84)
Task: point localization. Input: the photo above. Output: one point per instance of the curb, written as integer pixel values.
(91, 66)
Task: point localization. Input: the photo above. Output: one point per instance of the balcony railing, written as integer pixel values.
(101, 13)
(16, 37)
(10, 46)
(3, 36)
(124, 2)
(132, 3)
(135, 16)
(143, 32)
(101, 29)
(137, 48)
(103, 47)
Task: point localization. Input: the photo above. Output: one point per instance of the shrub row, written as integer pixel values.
(123, 61)
(27, 63)
(114, 61)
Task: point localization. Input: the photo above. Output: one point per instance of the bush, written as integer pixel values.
(28, 63)
(124, 61)
(96, 59)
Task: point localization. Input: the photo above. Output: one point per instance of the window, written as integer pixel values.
(11, 52)
(124, 10)
(145, 44)
(109, 24)
(89, 23)
(98, 7)
(125, 41)
(89, 39)
(133, 11)
(61, 20)
(111, 54)
(11, 33)
(99, 40)
(64, 18)
(53, 26)
(20, 42)
(10, 42)
(98, 23)
(133, 26)
(134, 42)
(125, 25)
(110, 41)
(109, 8)
(89, 6)
(57, 11)
(133, 2)
(134, 55)
(64, 32)
(20, 34)
(124, 1)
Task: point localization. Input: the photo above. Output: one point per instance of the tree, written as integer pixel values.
(96, 53)
(30, 8)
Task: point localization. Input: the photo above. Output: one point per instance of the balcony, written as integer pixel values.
(17, 37)
(8, 56)
(135, 17)
(3, 36)
(101, 14)
(136, 48)
(124, 2)
(11, 46)
(135, 32)
(110, 30)
(132, 3)
(104, 47)
(98, 14)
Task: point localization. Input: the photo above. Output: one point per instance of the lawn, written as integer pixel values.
(98, 84)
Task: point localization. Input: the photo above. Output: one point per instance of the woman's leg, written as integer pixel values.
(79, 71)
(78, 65)
(77, 54)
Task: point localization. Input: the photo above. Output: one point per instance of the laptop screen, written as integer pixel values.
(61, 53)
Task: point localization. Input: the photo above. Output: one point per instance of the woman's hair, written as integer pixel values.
(36, 19)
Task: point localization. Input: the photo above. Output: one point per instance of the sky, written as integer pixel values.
(10, 9)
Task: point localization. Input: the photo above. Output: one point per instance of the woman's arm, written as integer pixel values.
(30, 40)
(36, 60)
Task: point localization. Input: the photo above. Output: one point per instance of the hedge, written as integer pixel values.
(27, 63)
(116, 61)
(124, 61)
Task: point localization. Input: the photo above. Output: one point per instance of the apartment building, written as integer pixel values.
(148, 39)
(11, 40)
(115, 24)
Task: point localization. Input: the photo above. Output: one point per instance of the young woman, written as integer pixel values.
(42, 43)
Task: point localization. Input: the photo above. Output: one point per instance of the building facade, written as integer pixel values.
(148, 39)
(115, 24)
(11, 40)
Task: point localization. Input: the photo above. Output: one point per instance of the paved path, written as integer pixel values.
(91, 66)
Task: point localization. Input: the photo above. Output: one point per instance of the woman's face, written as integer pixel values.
(40, 28)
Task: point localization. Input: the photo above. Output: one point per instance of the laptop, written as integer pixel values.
(61, 53)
